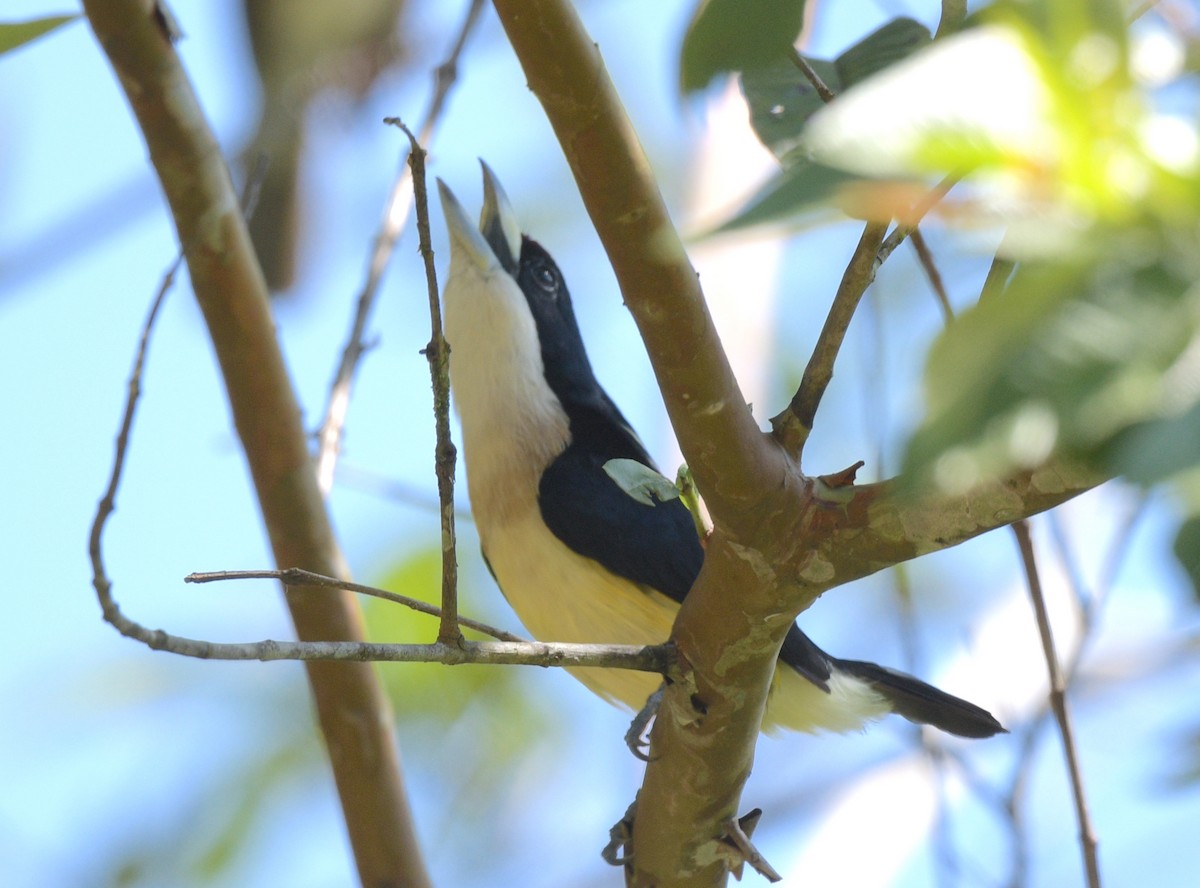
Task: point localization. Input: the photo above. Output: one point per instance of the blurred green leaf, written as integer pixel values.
(441, 694)
(473, 722)
(427, 690)
(15, 34)
(1187, 550)
(804, 186)
(736, 35)
(237, 806)
(883, 47)
(1091, 357)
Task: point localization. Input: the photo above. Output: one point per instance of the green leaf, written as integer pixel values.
(641, 482)
(736, 35)
(895, 41)
(802, 187)
(1158, 450)
(15, 34)
(781, 99)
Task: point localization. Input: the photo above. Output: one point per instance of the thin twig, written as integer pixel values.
(395, 215)
(827, 95)
(925, 256)
(1058, 702)
(952, 13)
(108, 502)
(915, 215)
(1089, 608)
(438, 354)
(793, 426)
(295, 576)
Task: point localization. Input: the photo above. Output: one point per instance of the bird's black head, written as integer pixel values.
(567, 369)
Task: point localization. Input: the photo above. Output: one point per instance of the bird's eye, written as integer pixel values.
(546, 278)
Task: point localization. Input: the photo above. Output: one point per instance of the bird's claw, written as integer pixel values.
(635, 736)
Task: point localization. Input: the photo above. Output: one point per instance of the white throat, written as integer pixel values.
(513, 424)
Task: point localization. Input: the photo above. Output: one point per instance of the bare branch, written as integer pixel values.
(650, 658)
(510, 650)
(884, 524)
(296, 577)
(925, 257)
(1058, 702)
(438, 354)
(1088, 607)
(793, 426)
(395, 214)
(108, 502)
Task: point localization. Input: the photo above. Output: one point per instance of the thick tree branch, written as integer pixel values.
(881, 525)
(677, 834)
(354, 715)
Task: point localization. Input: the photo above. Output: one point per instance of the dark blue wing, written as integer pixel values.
(654, 546)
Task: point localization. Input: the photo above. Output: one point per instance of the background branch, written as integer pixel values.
(1058, 703)
(395, 214)
(354, 715)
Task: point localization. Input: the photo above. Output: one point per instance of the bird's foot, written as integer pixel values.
(635, 737)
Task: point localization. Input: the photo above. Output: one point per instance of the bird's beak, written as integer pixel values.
(498, 223)
(465, 241)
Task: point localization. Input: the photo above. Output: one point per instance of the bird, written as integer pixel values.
(578, 556)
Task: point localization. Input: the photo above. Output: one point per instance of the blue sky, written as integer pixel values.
(110, 750)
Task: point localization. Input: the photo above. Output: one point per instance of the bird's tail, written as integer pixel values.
(923, 703)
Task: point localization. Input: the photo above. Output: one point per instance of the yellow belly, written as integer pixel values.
(562, 596)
